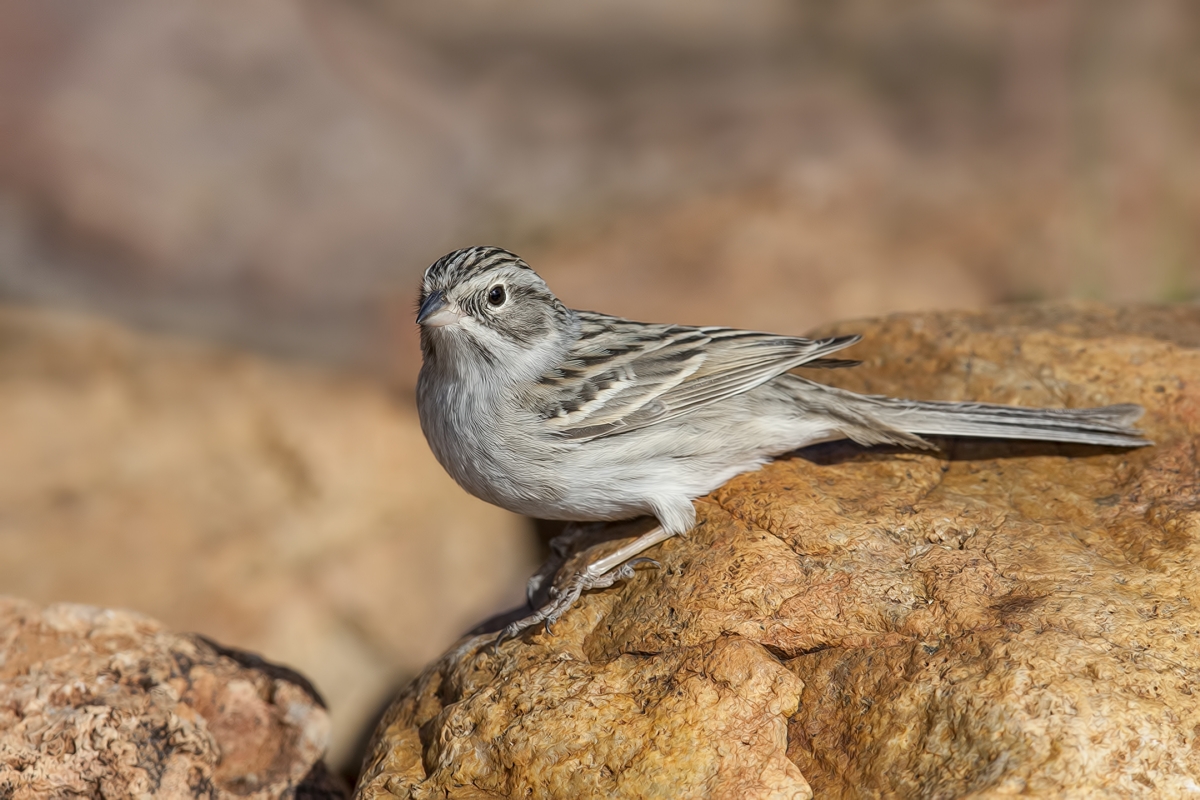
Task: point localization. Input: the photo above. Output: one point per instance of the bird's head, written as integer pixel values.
(483, 307)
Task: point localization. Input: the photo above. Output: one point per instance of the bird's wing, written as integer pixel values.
(621, 375)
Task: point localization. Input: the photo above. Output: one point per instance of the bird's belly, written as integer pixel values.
(520, 475)
(556, 488)
(575, 484)
(611, 478)
(491, 474)
(599, 487)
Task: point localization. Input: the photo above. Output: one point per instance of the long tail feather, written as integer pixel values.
(872, 419)
(1106, 425)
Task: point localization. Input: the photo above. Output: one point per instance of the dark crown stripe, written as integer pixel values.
(462, 264)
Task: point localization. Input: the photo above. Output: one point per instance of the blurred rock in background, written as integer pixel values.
(277, 174)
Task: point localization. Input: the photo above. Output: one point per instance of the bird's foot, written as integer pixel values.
(561, 547)
(563, 597)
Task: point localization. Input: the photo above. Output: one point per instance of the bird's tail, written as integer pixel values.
(883, 420)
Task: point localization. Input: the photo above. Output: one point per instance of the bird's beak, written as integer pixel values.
(436, 312)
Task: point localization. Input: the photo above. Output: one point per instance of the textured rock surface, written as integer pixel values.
(291, 512)
(98, 703)
(989, 620)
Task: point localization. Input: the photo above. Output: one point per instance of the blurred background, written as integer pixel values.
(213, 218)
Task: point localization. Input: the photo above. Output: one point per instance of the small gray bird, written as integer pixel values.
(574, 415)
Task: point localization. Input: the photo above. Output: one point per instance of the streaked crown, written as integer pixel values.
(485, 304)
(462, 265)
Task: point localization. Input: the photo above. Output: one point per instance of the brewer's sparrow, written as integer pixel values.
(574, 415)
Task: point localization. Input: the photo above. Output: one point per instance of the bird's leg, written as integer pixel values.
(560, 550)
(600, 574)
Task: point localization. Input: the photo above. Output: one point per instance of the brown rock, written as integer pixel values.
(101, 703)
(988, 620)
(294, 512)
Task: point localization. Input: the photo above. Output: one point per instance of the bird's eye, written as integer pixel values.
(496, 295)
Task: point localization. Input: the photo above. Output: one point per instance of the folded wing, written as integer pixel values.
(623, 376)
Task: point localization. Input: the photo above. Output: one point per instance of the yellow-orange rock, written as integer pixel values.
(989, 620)
(99, 703)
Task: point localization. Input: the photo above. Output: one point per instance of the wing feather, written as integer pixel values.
(623, 375)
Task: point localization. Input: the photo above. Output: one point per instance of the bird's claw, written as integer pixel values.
(562, 598)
